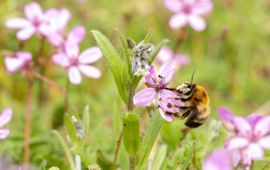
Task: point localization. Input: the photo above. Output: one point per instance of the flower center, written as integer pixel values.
(187, 9)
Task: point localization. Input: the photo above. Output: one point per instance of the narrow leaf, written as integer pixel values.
(113, 60)
(157, 49)
(71, 129)
(152, 131)
(86, 119)
(66, 150)
(159, 157)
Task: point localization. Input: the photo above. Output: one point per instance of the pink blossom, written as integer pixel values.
(188, 12)
(157, 93)
(250, 136)
(77, 63)
(17, 61)
(75, 36)
(38, 22)
(5, 117)
(220, 159)
(166, 54)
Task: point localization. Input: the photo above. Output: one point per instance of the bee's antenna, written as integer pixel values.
(191, 80)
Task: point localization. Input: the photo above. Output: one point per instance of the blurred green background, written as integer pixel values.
(231, 58)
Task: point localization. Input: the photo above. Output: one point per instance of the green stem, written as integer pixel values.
(132, 162)
(130, 99)
(66, 98)
(119, 141)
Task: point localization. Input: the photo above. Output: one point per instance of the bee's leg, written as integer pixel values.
(185, 114)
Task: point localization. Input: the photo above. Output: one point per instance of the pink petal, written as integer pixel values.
(164, 54)
(236, 143)
(218, 160)
(202, 7)
(197, 23)
(72, 50)
(90, 55)
(173, 5)
(61, 59)
(90, 71)
(25, 33)
(57, 19)
(178, 21)
(17, 62)
(33, 11)
(253, 119)
(144, 97)
(262, 127)
(242, 126)
(74, 75)
(56, 39)
(165, 116)
(167, 71)
(254, 151)
(17, 23)
(4, 133)
(265, 142)
(76, 35)
(5, 117)
(225, 114)
(151, 76)
(181, 59)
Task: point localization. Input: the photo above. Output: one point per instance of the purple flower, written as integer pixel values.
(250, 136)
(38, 22)
(76, 63)
(157, 94)
(220, 159)
(166, 54)
(5, 117)
(17, 61)
(188, 12)
(75, 36)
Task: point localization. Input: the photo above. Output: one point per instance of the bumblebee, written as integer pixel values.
(195, 103)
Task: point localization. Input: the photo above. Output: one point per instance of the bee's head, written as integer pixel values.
(185, 88)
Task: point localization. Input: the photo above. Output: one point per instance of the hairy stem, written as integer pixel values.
(117, 149)
(41, 62)
(27, 125)
(66, 98)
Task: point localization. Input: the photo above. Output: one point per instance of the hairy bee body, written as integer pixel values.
(195, 104)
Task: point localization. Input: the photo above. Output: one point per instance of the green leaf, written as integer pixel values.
(159, 157)
(157, 49)
(104, 162)
(131, 133)
(113, 60)
(71, 129)
(152, 131)
(148, 36)
(86, 119)
(66, 150)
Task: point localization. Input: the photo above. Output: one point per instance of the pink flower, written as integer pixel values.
(38, 22)
(250, 136)
(157, 93)
(76, 63)
(17, 61)
(220, 159)
(5, 117)
(166, 54)
(188, 12)
(75, 36)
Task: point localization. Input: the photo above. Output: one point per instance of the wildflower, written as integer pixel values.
(38, 22)
(157, 93)
(220, 159)
(75, 36)
(17, 61)
(5, 117)
(76, 63)
(166, 54)
(250, 136)
(188, 12)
